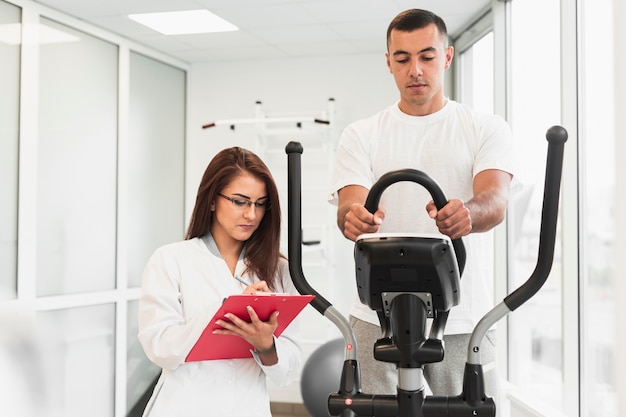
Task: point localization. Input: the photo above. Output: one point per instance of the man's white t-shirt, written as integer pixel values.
(451, 146)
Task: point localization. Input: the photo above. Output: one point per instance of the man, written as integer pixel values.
(468, 154)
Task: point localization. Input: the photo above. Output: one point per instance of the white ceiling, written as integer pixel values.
(268, 28)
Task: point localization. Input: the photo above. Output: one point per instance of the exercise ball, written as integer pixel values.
(321, 376)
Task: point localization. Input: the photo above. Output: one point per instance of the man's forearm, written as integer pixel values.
(487, 210)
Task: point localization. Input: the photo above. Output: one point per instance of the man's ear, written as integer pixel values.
(449, 56)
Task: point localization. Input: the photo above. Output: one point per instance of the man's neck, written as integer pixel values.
(414, 109)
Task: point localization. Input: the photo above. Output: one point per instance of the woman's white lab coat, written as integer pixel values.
(183, 285)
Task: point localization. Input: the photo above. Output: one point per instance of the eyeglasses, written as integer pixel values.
(246, 204)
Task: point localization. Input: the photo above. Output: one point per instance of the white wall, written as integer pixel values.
(360, 85)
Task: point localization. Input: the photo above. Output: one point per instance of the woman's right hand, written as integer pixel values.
(260, 286)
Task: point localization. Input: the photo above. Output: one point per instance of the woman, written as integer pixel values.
(233, 237)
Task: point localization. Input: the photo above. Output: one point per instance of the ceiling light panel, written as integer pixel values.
(184, 22)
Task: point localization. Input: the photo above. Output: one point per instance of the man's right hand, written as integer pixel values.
(353, 219)
(358, 221)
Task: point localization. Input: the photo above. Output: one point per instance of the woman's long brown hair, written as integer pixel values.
(263, 247)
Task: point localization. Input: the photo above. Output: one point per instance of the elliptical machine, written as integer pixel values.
(407, 279)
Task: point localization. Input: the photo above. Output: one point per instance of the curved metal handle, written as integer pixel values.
(414, 175)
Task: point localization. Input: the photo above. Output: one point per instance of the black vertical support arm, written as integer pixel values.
(294, 226)
(350, 383)
(556, 136)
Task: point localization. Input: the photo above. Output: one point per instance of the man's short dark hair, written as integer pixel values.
(412, 19)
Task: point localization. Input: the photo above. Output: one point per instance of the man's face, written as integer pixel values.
(418, 60)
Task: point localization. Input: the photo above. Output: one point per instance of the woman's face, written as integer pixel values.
(239, 209)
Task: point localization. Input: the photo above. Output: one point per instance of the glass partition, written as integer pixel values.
(77, 161)
(10, 42)
(155, 187)
(598, 233)
(79, 359)
(100, 176)
(476, 68)
(156, 147)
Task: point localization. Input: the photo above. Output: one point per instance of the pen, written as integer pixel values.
(241, 280)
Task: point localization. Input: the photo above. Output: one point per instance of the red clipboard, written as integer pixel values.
(219, 346)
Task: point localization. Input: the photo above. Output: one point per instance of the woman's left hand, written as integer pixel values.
(258, 333)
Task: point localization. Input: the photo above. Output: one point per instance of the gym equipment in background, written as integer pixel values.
(320, 376)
